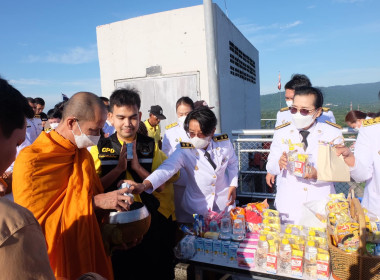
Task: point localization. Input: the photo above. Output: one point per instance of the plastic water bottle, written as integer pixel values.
(310, 268)
(261, 253)
(285, 260)
(225, 227)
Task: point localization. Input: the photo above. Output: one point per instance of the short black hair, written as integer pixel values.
(14, 107)
(103, 98)
(125, 97)
(185, 100)
(39, 101)
(55, 113)
(31, 100)
(206, 118)
(298, 80)
(318, 100)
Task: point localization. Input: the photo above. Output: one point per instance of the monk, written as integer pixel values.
(57, 182)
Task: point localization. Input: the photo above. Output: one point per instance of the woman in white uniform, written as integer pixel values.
(174, 134)
(293, 191)
(210, 163)
(365, 162)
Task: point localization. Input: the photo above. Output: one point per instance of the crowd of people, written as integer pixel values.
(64, 170)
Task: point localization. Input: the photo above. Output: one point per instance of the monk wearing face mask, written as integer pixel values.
(57, 182)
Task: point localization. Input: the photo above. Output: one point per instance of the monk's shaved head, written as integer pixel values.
(82, 106)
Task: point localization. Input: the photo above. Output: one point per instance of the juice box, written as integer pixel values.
(232, 252)
(225, 248)
(246, 257)
(200, 246)
(217, 248)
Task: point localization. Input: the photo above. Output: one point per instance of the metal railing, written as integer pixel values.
(252, 147)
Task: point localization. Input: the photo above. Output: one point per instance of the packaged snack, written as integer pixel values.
(272, 257)
(370, 248)
(297, 262)
(348, 236)
(337, 207)
(270, 213)
(246, 257)
(236, 211)
(300, 164)
(285, 257)
(323, 266)
(272, 227)
(212, 235)
(271, 220)
(199, 225)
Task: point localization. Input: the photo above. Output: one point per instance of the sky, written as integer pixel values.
(49, 47)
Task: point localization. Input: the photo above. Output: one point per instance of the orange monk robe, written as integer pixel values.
(56, 182)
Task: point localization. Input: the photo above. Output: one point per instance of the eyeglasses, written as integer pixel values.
(304, 112)
(191, 134)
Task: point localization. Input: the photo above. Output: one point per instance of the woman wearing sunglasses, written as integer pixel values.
(303, 133)
(210, 163)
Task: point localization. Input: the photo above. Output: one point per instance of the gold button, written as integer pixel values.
(213, 185)
(305, 189)
(213, 193)
(215, 175)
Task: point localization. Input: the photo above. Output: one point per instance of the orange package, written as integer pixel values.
(237, 211)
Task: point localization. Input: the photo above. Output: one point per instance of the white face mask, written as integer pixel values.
(289, 103)
(200, 143)
(85, 141)
(181, 120)
(301, 121)
(54, 125)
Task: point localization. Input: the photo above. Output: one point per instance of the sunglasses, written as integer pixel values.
(304, 112)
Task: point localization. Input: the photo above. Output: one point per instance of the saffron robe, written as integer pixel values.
(56, 181)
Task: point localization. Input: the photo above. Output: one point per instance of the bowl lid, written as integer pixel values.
(126, 217)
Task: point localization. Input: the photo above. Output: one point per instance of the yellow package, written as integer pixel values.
(271, 220)
(270, 213)
(348, 236)
(337, 207)
(272, 227)
(337, 196)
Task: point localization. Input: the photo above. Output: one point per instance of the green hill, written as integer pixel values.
(338, 98)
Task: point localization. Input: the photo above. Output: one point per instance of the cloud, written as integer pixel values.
(348, 1)
(76, 55)
(250, 28)
(29, 82)
(290, 25)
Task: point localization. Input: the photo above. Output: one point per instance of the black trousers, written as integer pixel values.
(153, 258)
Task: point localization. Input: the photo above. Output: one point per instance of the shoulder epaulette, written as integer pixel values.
(284, 109)
(334, 124)
(281, 126)
(325, 109)
(186, 145)
(369, 122)
(171, 125)
(219, 138)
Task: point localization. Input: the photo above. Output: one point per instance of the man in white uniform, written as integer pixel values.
(293, 191)
(284, 115)
(210, 163)
(174, 135)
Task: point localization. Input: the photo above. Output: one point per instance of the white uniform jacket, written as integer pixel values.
(174, 135)
(367, 163)
(284, 116)
(206, 188)
(292, 191)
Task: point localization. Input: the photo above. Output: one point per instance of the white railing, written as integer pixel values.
(255, 144)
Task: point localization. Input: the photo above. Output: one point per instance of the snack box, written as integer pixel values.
(246, 257)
